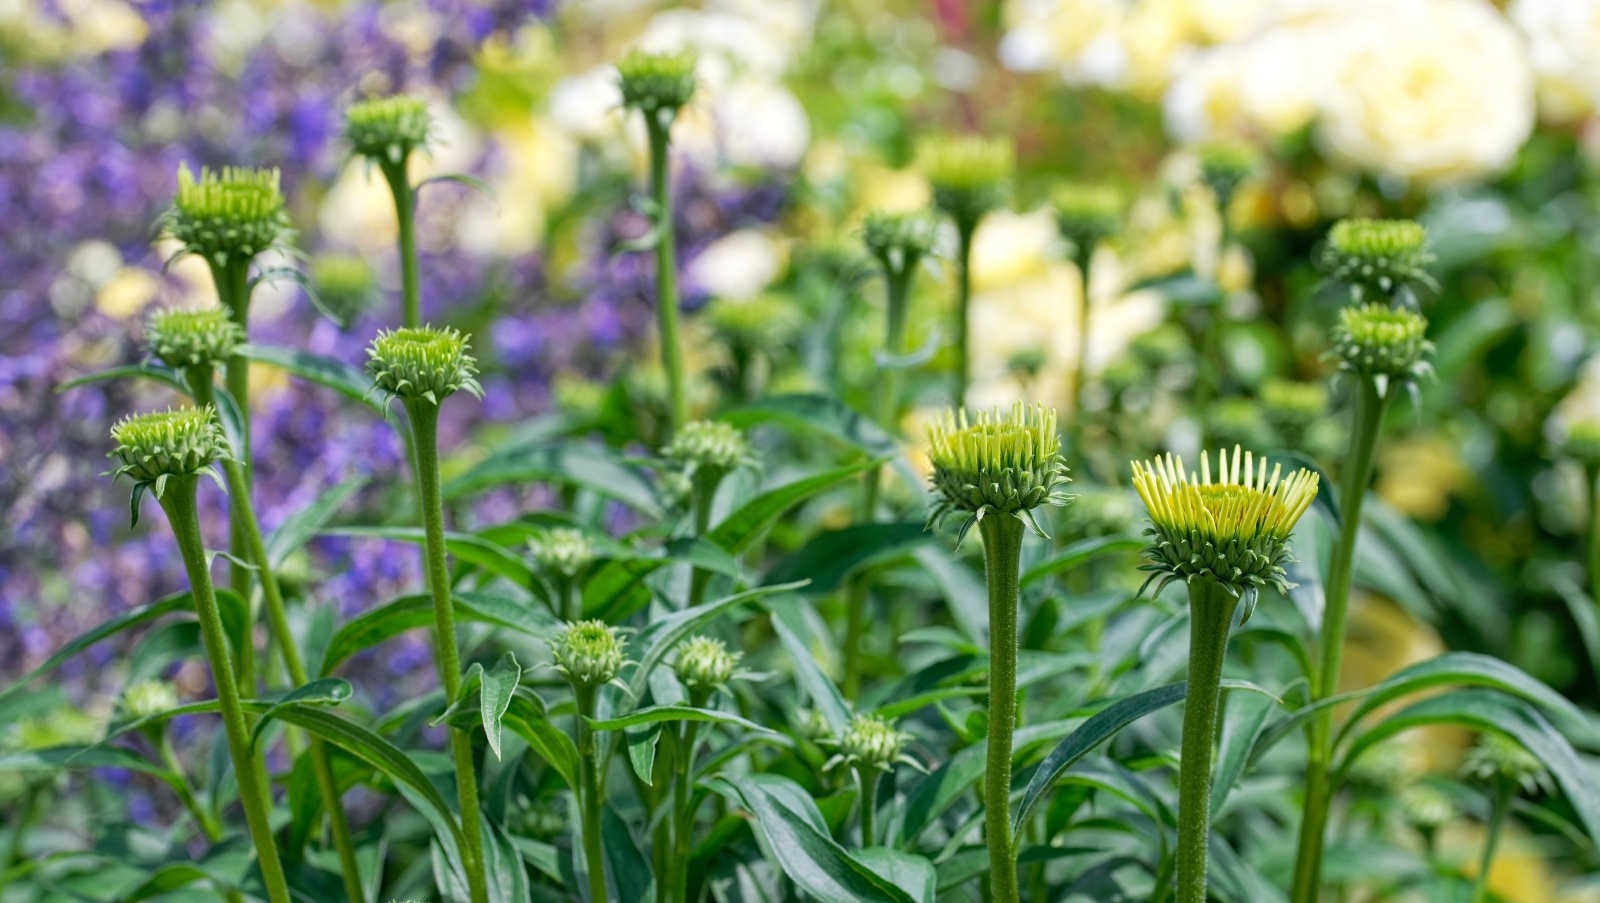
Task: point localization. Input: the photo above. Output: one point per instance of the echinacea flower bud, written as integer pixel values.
(345, 286)
(149, 697)
(174, 443)
(1381, 341)
(899, 241)
(423, 362)
(1086, 213)
(563, 550)
(387, 129)
(870, 742)
(705, 447)
(1237, 421)
(1377, 258)
(653, 83)
(997, 462)
(588, 653)
(228, 215)
(1225, 165)
(1424, 806)
(183, 338)
(1232, 530)
(1582, 443)
(1293, 406)
(704, 664)
(969, 174)
(1498, 757)
(765, 321)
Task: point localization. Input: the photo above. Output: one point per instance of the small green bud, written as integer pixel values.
(563, 550)
(1104, 512)
(149, 697)
(1087, 213)
(997, 462)
(1498, 757)
(1225, 165)
(1582, 442)
(1025, 363)
(871, 742)
(193, 338)
(653, 83)
(1297, 402)
(1425, 807)
(1237, 421)
(837, 265)
(704, 664)
(765, 321)
(387, 129)
(898, 241)
(227, 215)
(345, 286)
(709, 446)
(810, 724)
(588, 653)
(1382, 341)
(423, 362)
(969, 174)
(1379, 259)
(173, 443)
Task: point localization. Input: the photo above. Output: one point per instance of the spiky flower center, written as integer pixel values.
(1086, 212)
(1224, 165)
(871, 742)
(656, 82)
(564, 550)
(1377, 238)
(1003, 461)
(227, 215)
(704, 663)
(968, 174)
(1378, 339)
(422, 362)
(183, 338)
(708, 446)
(171, 443)
(387, 129)
(1377, 258)
(589, 653)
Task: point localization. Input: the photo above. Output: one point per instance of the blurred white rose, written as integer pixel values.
(737, 265)
(760, 123)
(1269, 85)
(1564, 45)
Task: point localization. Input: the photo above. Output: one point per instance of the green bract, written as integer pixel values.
(870, 742)
(564, 550)
(193, 338)
(704, 664)
(1498, 757)
(387, 129)
(1381, 341)
(1086, 213)
(172, 443)
(422, 362)
(1232, 530)
(149, 697)
(898, 240)
(1224, 165)
(1377, 258)
(996, 462)
(653, 82)
(1294, 401)
(588, 653)
(709, 446)
(969, 174)
(1424, 806)
(227, 215)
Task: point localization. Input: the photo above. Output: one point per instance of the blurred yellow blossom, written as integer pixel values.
(1564, 45)
(127, 293)
(1417, 475)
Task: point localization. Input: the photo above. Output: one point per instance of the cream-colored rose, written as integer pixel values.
(737, 265)
(1078, 38)
(1564, 44)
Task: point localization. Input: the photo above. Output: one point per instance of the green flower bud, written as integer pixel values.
(345, 286)
(423, 362)
(870, 742)
(1379, 259)
(765, 321)
(1087, 213)
(1496, 757)
(588, 653)
(898, 241)
(1025, 363)
(837, 265)
(969, 174)
(387, 129)
(1225, 165)
(1425, 807)
(563, 550)
(1232, 530)
(149, 697)
(656, 83)
(227, 215)
(1294, 406)
(1103, 512)
(997, 462)
(173, 443)
(1384, 342)
(1582, 442)
(704, 664)
(193, 338)
(1238, 421)
(709, 447)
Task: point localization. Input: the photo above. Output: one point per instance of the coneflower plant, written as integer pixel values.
(658, 85)
(562, 553)
(1379, 260)
(993, 469)
(1507, 771)
(588, 654)
(1226, 537)
(870, 746)
(1582, 444)
(1086, 214)
(386, 131)
(422, 367)
(703, 452)
(971, 176)
(193, 342)
(704, 666)
(1382, 350)
(165, 453)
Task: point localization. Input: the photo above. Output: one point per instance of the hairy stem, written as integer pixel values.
(666, 272)
(589, 795)
(1080, 371)
(683, 807)
(964, 232)
(1210, 610)
(1002, 553)
(705, 492)
(1504, 793)
(405, 214)
(232, 281)
(867, 777)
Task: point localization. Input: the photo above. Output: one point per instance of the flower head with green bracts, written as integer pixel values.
(148, 698)
(423, 363)
(996, 462)
(1385, 343)
(1424, 806)
(587, 653)
(1378, 259)
(704, 664)
(709, 447)
(159, 446)
(656, 84)
(1582, 442)
(562, 550)
(1232, 530)
(1293, 406)
(228, 215)
(872, 743)
(386, 130)
(1237, 421)
(899, 241)
(344, 287)
(970, 174)
(1496, 757)
(1087, 213)
(1224, 166)
(200, 337)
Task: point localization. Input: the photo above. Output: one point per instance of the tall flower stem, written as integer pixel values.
(405, 214)
(589, 795)
(1002, 554)
(964, 233)
(424, 417)
(232, 282)
(1364, 431)
(1592, 484)
(179, 503)
(867, 778)
(1210, 611)
(1080, 375)
(666, 270)
(705, 492)
(1504, 793)
(683, 806)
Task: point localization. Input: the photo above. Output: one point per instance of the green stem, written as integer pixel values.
(705, 492)
(964, 232)
(185, 791)
(867, 777)
(1210, 610)
(1368, 419)
(1592, 478)
(424, 418)
(1002, 554)
(1503, 795)
(666, 272)
(405, 214)
(683, 807)
(589, 795)
(1080, 375)
(178, 502)
(232, 280)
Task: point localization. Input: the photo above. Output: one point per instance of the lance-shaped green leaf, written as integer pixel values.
(1080, 553)
(494, 689)
(660, 713)
(589, 465)
(739, 530)
(410, 612)
(305, 523)
(465, 546)
(322, 692)
(348, 380)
